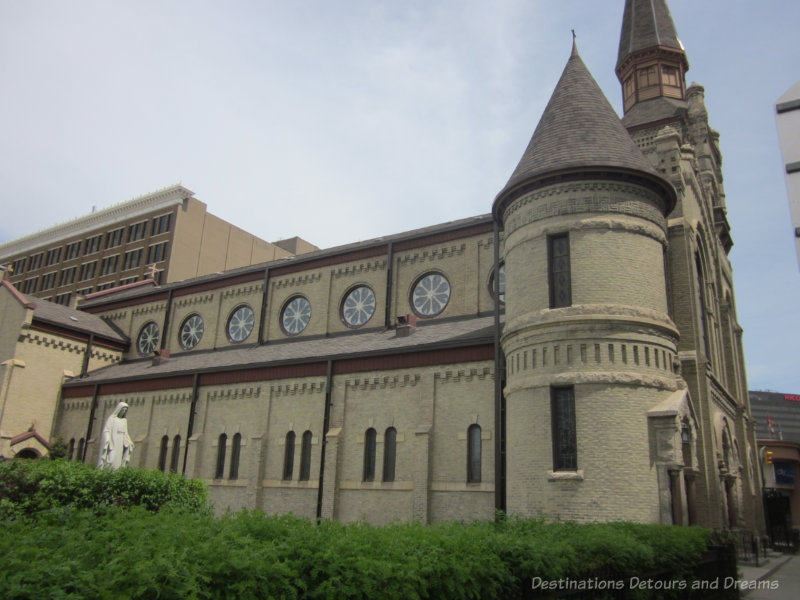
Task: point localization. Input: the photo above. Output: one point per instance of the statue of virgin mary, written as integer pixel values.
(116, 446)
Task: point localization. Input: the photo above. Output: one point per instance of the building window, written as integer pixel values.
(137, 231)
(157, 253)
(240, 324)
(221, 448)
(93, 244)
(109, 265)
(132, 259)
(288, 456)
(49, 281)
(305, 457)
(565, 447)
(64, 299)
(35, 262)
(162, 454)
(358, 306)
(295, 315)
(71, 453)
(176, 454)
(147, 341)
(628, 89)
(389, 453)
(701, 297)
(191, 332)
(81, 444)
(30, 285)
(53, 256)
(370, 439)
(669, 76)
(85, 291)
(430, 295)
(68, 276)
(501, 284)
(648, 77)
(161, 224)
(18, 267)
(128, 280)
(73, 251)
(88, 270)
(474, 454)
(236, 450)
(559, 267)
(105, 286)
(114, 238)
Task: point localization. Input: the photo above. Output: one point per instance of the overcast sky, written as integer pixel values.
(343, 121)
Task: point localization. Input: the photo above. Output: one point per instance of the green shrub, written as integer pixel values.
(28, 487)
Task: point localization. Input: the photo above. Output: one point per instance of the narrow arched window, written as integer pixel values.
(71, 448)
(474, 454)
(80, 450)
(370, 439)
(389, 453)
(176, 454)
(162, 455)
(236, 449)
(305, 457)
(288, 457)
(221, 449)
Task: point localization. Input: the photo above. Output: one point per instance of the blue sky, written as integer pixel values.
(344, 121)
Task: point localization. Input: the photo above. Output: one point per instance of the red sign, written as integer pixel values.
(791, 397)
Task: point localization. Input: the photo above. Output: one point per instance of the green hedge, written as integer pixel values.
(28, 487)
(134, 553)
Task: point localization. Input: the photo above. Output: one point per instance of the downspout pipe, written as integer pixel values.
(499, 381)
(166, 320)
(262, 322)
(325, 426)
(87, 356)
(190, 427)
(389, 284)
(92, 411)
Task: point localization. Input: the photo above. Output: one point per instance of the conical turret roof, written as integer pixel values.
(579, 132)
(646, 24)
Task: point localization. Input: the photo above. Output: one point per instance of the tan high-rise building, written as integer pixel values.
(169, 229)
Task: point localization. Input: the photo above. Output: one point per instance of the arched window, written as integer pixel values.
(288, 457)
(162, 455)
(71, 448)
(474, 454)
(389, 453)
(80, 450)
(305, 457)
(686, 443)
(370, 438)
(701, 293)
(221, 449)
(176, 454)
(236, 449)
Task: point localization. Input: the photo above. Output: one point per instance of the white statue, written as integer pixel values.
(116, 446)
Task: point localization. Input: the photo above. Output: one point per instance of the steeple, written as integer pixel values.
(651, 62)
(579, 135)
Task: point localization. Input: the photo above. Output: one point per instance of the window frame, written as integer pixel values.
(554, 261)
(474, 453)
(564, 430)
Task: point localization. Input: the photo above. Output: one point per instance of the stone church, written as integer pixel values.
(572, 354)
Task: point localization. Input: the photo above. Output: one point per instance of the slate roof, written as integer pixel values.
(646, 24)
(656, 110)
(579, 131)
(433, 335)
(62, 316)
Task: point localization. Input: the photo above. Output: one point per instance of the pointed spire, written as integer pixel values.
(579, 132)
(646, 24)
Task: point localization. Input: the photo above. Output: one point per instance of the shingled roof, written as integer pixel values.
(646, 24)
(579, 132)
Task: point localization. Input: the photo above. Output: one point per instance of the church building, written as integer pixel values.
(572, 354)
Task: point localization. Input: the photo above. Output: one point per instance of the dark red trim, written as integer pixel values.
(326, 261)
(78, 336)
(264, 374)
(124, 303)
(218, 283)
(414, 359)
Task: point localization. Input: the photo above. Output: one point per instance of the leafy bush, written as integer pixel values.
(136, 553)
(28, 487)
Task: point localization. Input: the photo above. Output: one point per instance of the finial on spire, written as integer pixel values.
(574, 44)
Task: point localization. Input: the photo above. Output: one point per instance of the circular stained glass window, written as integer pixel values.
(147, 342)
(358, 306)
(431, 295)
(295, 315)
(191, 331)
(240, 324)
(501, 284)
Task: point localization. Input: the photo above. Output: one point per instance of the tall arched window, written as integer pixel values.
(236, 449)
(474, 454)
(389, 453)
(176, 454)
(221, 449)
(288, 457)
(701, 293)
(81, 443)
(71, 448)
(305, 457)
(370, 439)
(162, 455)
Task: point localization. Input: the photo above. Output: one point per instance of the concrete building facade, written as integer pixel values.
(574, 354)
(788, 121)
(168, 235)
